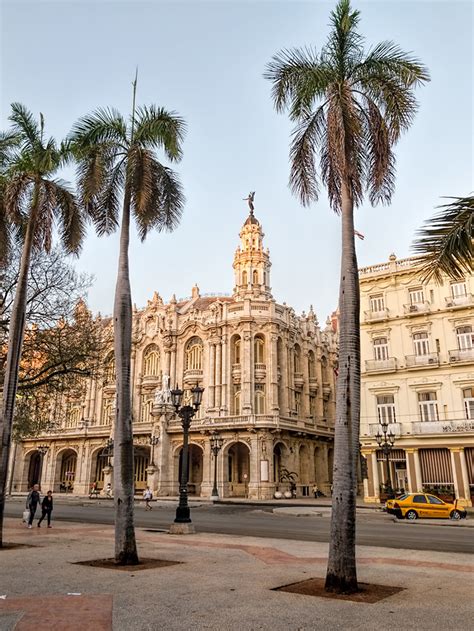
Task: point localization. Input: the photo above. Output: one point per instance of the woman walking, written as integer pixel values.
(46, 509)
(32, 502)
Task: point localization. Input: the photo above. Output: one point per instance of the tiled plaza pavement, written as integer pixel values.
(222, 582)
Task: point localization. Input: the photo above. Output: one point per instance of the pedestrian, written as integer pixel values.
(94, 490)
(147, 496)
(32, 502)
(108, 490)
(315, 490)
(46, 508)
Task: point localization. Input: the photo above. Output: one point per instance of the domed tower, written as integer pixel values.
(251, 261)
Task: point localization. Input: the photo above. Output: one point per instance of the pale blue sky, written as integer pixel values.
(205, 60)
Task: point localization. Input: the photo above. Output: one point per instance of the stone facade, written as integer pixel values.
(269, 383)
(417, 347)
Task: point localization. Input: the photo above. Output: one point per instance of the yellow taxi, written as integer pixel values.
(413, 505)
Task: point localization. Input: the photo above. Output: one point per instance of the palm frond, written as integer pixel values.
(106, 208)
(387, 59)
(17, 196)
(105, 125)
(69, 219)
(447, 241)
(25, 125)
(9, 141)
(158, 128)
(345, 45)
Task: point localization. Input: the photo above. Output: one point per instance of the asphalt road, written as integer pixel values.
(373, 529)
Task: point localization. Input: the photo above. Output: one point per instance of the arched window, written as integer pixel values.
(193, 359)
(145, 412)
(255, 277)
(236, 403)
(106, 416)
(296, 359)
(324, 369)
(236, 350)
(311, 365)
(151, 361)
(73, 416)
(259, 399)
(244, 278)
(259, 350)
(109, 369)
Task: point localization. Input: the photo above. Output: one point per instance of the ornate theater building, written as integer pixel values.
(269, 383)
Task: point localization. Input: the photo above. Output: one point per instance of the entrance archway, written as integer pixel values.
(66, 470)
(141, 458)
(195, 465)
(34, 469)
(99, 460)
(238, 469)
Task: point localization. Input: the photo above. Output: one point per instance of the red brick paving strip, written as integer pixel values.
(61, 613)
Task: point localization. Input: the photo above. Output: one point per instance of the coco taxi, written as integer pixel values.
(413, 505)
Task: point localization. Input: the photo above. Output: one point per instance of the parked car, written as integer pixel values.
(413, 505)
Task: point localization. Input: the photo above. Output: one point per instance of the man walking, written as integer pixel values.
(46, 508)
(32, 502)
(147, 496)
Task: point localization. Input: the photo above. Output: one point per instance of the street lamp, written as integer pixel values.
(153, 440)
(186, 414)
(84, 423)
(42, 449)
(216, 445)
(385, 441)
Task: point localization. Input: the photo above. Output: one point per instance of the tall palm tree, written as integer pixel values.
(350, 107)
(116, 159)
(446, 242)
(34, 203)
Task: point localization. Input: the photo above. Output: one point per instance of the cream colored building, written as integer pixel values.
(269, 392)
(417, 348)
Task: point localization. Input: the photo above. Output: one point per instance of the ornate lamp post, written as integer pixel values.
(186, 414)
(216, 445)
(385, 441)
(153, 440)
(42, 449)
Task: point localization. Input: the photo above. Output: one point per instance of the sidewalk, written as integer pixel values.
(220, 583)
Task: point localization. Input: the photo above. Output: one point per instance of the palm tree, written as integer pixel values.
(447, 241)
(350, 107)
(116, 159)
(34, 202)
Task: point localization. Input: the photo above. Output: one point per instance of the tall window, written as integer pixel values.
(259, 402)
(255, 277)
(312, 405)
(105, 417)
(297, 402)
(386, 408)
(458, 290)
(145, 412)
(236, 350)
(311, 365)
(151, 361)
(296, 359)
(244, 278)
(109, 369)
(73, 416)
(380, 348)
(377, 303)
(428, 405)
(468, 395)
(417, 296)
(236, 402)
(465, 337)
(421, 343)
(193, 354)
(259, 350)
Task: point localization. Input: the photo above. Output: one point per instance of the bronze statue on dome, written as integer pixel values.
(250, 199)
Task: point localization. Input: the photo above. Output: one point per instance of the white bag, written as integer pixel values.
(26, 516)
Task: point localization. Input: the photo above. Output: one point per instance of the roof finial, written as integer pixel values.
(250, 199)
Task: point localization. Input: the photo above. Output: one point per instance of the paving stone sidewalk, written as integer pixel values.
(221, 582)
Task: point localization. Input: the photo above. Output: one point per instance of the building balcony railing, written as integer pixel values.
(192, 375)
(260, 370)
(381, 365)
(313, 384)
(298, 379)
(395, 428)
(430, 360)
(461, 356)
(151, 380)
(459, 301)
(443, 427)
(373, 316)
(422, 307)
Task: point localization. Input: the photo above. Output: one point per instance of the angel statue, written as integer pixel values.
(250, 199)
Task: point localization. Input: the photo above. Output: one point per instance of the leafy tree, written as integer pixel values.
(447, 241)
(117, 161)
(34, 201)
(350, 107)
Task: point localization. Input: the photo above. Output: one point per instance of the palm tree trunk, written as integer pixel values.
(125, 543)
(341, 572)
(15, 343)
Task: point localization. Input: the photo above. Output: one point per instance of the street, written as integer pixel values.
(373, 528)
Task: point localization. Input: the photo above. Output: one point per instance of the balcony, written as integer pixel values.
(236, 373)
(260, 371)
(459, 301)
(417, 309)
(313, 384)
(395, 428)
(299, 380)
(443, 427)
(430, 360)
(381, 365)
(374, 316)
(192, 375)
(464, 356)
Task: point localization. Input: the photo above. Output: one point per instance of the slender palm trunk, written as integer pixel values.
(15, 343)
(341, 572)
(125, 543)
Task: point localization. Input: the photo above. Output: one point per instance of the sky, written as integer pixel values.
(205, 60)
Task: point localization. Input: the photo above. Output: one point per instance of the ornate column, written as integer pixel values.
(272, 374)
(218, 379)
(305, 402)
(226, 374)
(211, 398)
(160, 477)
(247, 373)
(465, 476)
(375, 473)
(419, 480)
